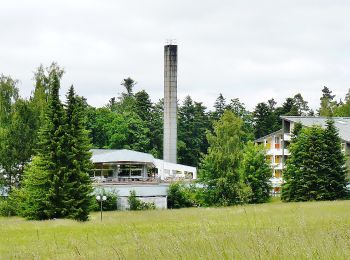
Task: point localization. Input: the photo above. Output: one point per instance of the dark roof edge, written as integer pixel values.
(263, 137)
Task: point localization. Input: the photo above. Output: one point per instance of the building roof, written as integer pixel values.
(261, 139)
(341, 123)
(123, 155)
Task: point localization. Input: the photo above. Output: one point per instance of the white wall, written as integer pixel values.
(173, 170)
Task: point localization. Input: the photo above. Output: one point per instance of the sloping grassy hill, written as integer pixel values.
(274, 230)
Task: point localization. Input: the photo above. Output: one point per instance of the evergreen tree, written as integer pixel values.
(143, 105)
(328, 105)
(51, 163)
(335, 163)
(301, 105)
(77, 183)
(315, 170)
(264, 120)
(239, 109)
(129, 84)
(256, 172)
(192, 126)
(144, 109)
(304, 167)
(219, 107)
(156, 130)
(219, 169)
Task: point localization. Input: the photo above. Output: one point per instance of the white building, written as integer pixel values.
(124, 170)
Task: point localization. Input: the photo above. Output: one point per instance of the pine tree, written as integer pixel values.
(256, 172)
(77, 183)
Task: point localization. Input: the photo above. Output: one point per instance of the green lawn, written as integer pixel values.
(269, 231)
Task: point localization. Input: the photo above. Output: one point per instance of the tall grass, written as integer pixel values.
(319, 230)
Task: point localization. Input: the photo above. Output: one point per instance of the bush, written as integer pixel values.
(6, 209)
(108, 205)
(137, 204)
(13, 204)
(178, 196)
(183, 196)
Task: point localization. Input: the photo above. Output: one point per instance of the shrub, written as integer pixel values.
(108, 205)
(137, 204)
(13, 204)
(178, 196)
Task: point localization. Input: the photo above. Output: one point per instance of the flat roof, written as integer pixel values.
(261, 139)
(122, 155)
(341, 123)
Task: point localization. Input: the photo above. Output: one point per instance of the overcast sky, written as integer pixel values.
(250, 49)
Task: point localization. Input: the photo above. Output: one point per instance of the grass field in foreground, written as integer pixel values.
(275, 230)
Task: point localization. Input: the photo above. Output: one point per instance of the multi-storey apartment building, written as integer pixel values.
(275, 154)
(277, 143)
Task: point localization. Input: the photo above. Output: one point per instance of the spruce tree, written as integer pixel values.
(335, 163)
(51, 160)
(302, 176)
(316, 169)
(256, 172)
(220, 107)
(77, 183)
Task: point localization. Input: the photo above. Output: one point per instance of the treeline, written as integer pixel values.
(56, 136)
(132, 121)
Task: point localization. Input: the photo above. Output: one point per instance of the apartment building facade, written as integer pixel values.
(277, 143)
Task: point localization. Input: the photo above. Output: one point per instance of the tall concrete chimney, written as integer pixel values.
(170, 104)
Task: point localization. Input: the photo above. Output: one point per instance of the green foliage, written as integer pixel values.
(256, 172)
(108, 205)
(219, 169)
(137, 204)
(193, 122)
(344, 108)
(8, 96)
(315, 170)
(56, 183)
(76, 181)
(239, 109)
(178, 197)
(220, 107)
(267, 117)
(263, 120)
(17, 142)
(12, 205)
(327, 105)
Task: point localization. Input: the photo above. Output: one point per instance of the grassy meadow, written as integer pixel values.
(313, 230)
